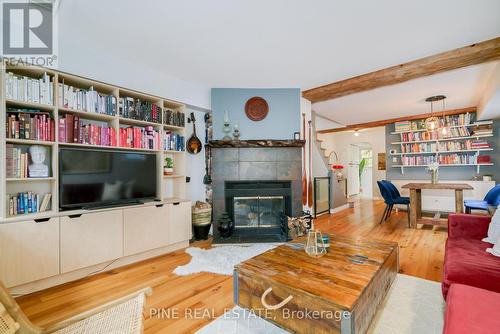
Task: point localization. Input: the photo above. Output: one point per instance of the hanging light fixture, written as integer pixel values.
(432, 122)
(444, 129)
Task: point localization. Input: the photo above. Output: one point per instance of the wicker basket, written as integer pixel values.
(7, 324)
(201, 213)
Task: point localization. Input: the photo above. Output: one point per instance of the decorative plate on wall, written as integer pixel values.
(256, 108)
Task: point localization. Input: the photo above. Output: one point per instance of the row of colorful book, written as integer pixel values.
(446, 121)
(88, 100)
(173, 142)
(137, 137)
(31, 125)
(139, 110)
(16, 162)
(434, 135)
(28, 202)
(74, 130)
(26, 89)
(444, 159)
(173, 117)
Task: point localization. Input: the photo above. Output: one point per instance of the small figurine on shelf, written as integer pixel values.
(38, 168)
(168, 168)
(227, 127)
(236, 131)
(433, 167)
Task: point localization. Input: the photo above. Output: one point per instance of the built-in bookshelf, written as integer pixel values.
(54, 109)
(458, 141)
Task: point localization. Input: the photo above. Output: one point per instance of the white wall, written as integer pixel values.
(195, 163)
(340, 142)
(77, 54)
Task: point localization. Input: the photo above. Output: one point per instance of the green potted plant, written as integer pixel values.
(168, 167)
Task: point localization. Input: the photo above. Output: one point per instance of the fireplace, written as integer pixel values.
(256, 208)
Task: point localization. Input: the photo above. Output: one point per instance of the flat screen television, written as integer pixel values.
(90, 179)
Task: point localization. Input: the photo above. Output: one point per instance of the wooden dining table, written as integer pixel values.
(416, 200)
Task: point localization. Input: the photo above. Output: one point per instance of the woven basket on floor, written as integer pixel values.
(201, 213)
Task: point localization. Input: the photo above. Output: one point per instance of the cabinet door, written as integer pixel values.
(29, 251)
(180, 222)
(91, 239)
(145, 228)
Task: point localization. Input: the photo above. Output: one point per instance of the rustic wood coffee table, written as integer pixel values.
(337, 293)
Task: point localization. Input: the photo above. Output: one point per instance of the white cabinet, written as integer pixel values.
(91, 239)
(145, 228)
(29, 251)
(180, 221)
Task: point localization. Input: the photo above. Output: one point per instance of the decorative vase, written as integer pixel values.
(434, 177)
(226, 226)
(315, 247)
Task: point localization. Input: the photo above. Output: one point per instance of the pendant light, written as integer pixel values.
(432, 122)
(444, 129)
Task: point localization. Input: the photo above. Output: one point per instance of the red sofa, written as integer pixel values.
(466, 260)
(471, 310)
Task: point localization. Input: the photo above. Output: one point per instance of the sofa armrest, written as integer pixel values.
(468, 226)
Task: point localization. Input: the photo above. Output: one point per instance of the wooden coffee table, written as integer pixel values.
(337, 293)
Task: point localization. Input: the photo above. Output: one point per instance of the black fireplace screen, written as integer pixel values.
(258, 211)
(258, 204)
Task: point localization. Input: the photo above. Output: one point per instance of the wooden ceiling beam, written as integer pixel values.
(446, 61)
(360, 126)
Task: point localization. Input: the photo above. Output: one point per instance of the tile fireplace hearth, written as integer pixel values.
(255, 181)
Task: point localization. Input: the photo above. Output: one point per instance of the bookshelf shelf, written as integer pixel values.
(173, 176)
(443, 139)
(87, 114)
(30, 179)
(137, 122)
(173, 152)
(445, 165)
(23, 104)
(29, 142)
(444, 152)
(171, 188)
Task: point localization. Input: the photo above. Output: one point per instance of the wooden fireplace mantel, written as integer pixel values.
(255, 143)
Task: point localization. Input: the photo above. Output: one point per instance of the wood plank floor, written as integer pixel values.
(421, 255)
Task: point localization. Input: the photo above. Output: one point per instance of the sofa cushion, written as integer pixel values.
(471, 310)
(494, 228)
(467, 262)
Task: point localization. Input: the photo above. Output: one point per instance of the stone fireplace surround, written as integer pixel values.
(255, 160)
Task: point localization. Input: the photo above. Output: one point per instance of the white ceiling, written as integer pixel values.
(273, 43)
(463, 88)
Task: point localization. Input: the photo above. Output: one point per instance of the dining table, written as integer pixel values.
(416, 201)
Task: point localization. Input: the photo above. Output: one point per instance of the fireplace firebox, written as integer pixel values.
(256, 208)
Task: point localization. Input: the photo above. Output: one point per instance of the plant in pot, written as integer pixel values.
(168, 167)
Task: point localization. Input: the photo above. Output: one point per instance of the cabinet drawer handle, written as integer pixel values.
(41, 220)
(158, 205)
(273, 307)
(176, 203)
(75, 216)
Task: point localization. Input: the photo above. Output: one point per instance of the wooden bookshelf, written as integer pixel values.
(168, 188)
(464, 127)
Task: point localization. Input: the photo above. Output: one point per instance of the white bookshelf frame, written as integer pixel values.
(169, 188)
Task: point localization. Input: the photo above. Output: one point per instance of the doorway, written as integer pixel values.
(360, 170)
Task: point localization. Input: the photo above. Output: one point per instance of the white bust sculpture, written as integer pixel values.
(38, 168)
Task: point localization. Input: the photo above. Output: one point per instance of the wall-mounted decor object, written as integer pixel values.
(381, 161)
(256, 108)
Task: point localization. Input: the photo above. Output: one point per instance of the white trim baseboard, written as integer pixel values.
(340, 208)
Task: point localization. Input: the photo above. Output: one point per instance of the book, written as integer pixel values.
(28, 202)
(28, 89)
(29, 124)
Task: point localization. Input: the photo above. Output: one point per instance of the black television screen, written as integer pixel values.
(90, 178)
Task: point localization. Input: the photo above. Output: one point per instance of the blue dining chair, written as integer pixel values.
(492, 199)
(392, 196)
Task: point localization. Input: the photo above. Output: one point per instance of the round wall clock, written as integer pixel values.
(256, 108)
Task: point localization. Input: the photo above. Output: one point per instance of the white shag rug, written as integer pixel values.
(220, 259)
(412, 306)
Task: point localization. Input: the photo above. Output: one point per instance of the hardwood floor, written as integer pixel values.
(421, 255)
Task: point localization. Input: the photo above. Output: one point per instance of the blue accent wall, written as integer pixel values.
(445, 173)
(281, 122)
